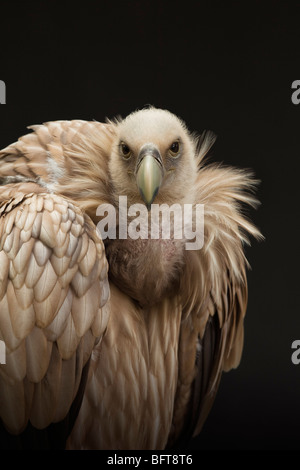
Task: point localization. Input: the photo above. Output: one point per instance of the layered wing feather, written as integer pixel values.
(53, 273)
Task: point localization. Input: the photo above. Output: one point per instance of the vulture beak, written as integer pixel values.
(149, 173)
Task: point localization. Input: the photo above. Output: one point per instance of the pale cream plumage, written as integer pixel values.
(155, 324)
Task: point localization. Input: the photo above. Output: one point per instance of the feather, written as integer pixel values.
(4, 264)
(38, 353)
(22, 323)
(41, 252)
(59, 323)
(7, 333)
(67, 390)
(15, 366)
(21, 259)
(13, 414)
(85, 308)
(46, 392)
(34, 268)
(47, 234)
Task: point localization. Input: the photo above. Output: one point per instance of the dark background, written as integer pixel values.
(225, 66)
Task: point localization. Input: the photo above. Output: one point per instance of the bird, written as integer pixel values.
(117, 343)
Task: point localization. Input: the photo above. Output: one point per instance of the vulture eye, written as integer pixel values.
(125, 150)
(174, 148)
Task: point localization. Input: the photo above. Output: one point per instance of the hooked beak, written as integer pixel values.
(149, 173)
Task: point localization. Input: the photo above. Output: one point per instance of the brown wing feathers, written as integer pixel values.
(53, 280)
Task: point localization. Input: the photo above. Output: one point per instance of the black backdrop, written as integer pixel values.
(225, 66)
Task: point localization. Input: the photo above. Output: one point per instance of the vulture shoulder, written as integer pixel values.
(69, 158)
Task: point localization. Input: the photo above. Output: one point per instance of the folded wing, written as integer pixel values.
(53, 288)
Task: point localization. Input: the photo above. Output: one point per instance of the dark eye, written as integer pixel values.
(174, 148)
(125, 150)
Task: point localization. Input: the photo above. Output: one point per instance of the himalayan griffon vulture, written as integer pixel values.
(116, 343)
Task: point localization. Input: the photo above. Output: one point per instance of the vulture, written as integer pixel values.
(114, 341)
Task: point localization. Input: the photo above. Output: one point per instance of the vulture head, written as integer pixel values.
(153, 158)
